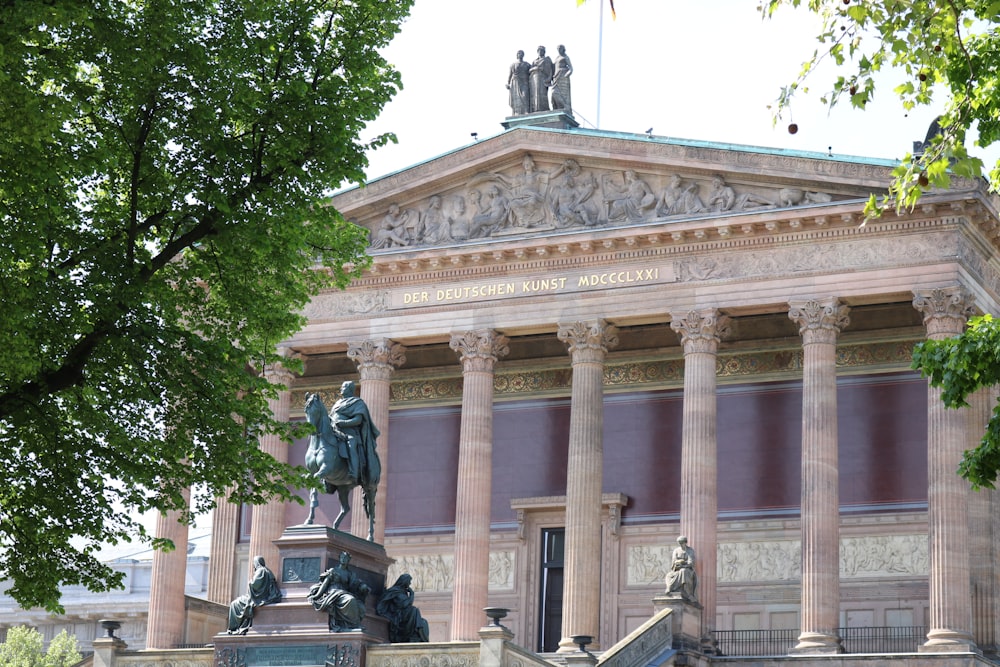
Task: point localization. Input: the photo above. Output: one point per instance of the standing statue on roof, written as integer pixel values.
(517, 84)
(540, 77)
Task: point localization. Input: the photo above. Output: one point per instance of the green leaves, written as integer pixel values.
(163, 171)
(946, 48)
(24, 648)
(961, 366)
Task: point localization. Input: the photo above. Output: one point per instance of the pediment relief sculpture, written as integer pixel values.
(533, 199)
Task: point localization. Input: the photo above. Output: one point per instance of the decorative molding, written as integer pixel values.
(945, 310)
(588, 342)
(340, 305)
(376, 359)
(612, 502)
(452, 654)
(820, 321)
(700, 331)
(780, 560)
(479, 350)
(662, 373)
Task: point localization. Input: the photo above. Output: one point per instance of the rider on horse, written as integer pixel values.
(351, 417)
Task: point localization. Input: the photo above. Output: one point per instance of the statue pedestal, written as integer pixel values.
(559, 119)
(292, 628)
(686, 617)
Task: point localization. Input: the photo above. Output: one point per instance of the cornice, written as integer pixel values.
(653, 241)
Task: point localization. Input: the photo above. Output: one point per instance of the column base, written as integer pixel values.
(948, 641)
(817, 643)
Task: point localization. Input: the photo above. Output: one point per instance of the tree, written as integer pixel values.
(960, 366)
(163, 165)
(949, 51)
(23, 648)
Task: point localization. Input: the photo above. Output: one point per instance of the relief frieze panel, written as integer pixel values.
(537, 199)
(435, 573)
(780, 560)
(846, 255)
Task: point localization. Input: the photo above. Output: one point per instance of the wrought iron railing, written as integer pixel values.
(906, 639)
(755, 642)
(854, 640)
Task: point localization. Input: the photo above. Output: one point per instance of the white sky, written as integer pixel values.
(691, 69)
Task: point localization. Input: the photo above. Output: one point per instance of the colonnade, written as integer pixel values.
(820, 321)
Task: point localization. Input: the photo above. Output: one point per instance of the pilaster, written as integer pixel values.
(478, 351)
(588, 345)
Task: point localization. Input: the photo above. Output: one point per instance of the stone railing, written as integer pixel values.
(650, 643)
(184, 657)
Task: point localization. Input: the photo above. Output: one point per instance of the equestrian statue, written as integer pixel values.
(342, 453)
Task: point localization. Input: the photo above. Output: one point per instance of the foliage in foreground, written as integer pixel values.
(23, 648)
(949, 51)
(961, 366)
(162, 163)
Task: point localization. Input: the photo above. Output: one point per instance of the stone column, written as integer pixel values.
(945, 313)
(700, 332)
(478, 352)
(588, 345)
(376, 361)
(165, 627)
(269, 520)
(820, 322)
(982, 533)
(222, 560)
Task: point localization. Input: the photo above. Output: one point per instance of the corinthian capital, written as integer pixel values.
(479, 350)
(820, 321)
(700, 330)
(588, 341)
(376, 358)
(945, 310)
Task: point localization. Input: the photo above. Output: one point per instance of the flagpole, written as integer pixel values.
(600, 58)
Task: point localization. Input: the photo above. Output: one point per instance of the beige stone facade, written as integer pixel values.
(677, 356)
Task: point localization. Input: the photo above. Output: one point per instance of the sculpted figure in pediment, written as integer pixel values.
(491, 215)
(435, 225)
(670, 199)
(457, 220)
(632, 202)
(794, 197)
(391, 231)
(571, 200)
(723, 198)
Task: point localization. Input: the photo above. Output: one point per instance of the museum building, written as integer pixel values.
(580, 345)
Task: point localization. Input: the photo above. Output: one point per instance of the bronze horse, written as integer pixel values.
(324, 461)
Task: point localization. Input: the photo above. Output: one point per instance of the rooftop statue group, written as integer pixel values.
(542, 85)
(567, 197)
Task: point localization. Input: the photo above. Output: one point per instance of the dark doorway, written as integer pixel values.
(550, 628)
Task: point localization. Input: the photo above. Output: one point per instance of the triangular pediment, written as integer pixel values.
(532, 182)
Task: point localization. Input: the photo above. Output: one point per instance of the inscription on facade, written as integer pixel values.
(500, 289)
